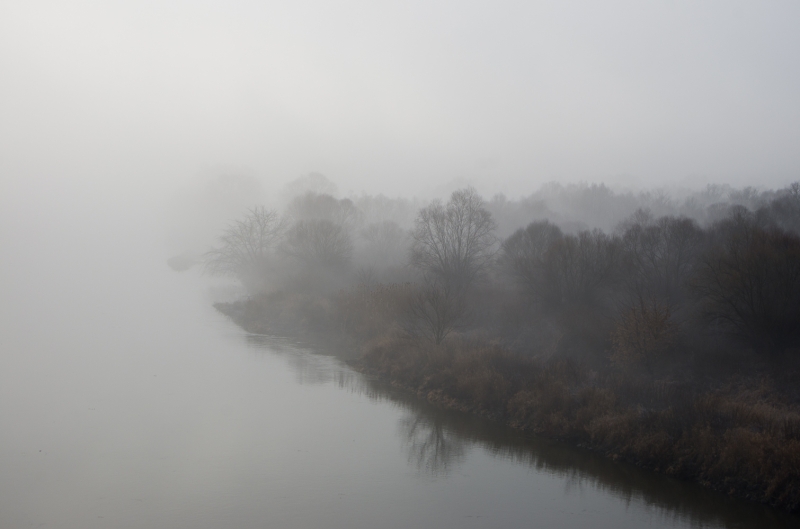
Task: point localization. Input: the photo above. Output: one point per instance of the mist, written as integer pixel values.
(137, 350)
(400, 99)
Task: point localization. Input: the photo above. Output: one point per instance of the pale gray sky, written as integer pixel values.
(398, 97)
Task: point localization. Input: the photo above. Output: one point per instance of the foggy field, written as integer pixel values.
(399, 264)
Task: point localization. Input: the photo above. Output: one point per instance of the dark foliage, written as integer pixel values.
(749, 280)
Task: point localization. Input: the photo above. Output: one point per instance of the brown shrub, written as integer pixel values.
(643, 334)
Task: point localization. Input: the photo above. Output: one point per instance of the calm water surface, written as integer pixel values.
(127, 402)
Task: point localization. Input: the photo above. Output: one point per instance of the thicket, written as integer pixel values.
(671, 340)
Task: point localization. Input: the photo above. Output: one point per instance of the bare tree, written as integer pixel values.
(385, 243)
(319, 243)
(434, 311)
(661, 254)
(578, 266)
(556, 268)
(454, 242)
(784, 211)
(749, 280)
(246, 244)
(317, 206)
(525, 252)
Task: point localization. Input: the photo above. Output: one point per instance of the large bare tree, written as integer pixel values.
(246, 244)
(454, 242)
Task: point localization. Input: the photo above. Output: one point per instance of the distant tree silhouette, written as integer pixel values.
(661, 254)
(385, 243)
(562, 269)
(321, 206)
(246, 244)
(578, 266)
(454, 242)
(525, 254)
(319, 243)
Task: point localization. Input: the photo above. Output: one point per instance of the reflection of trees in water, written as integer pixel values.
(437, 440)
(309, 368)
(430, 446)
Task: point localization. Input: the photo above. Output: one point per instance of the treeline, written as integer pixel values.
(652, 288)
(669, 340)
(665, 284)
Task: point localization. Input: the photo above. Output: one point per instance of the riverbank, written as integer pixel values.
(738, 434)
(739, 438)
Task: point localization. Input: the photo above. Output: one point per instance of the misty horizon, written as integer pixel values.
(401, 101)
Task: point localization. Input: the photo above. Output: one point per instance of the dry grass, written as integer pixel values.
(741, 439)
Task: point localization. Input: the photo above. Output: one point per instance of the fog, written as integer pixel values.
(134, 134)
(399, 98)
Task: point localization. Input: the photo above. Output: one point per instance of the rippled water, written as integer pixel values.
(127, 401)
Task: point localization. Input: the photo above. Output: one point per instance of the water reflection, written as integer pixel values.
(431, 446)
(437, 441)
(309, 368)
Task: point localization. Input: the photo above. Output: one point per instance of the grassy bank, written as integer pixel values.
(740, 437)
(738, 433)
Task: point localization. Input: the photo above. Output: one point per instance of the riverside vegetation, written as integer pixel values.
(657, 331)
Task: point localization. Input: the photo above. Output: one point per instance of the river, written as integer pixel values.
(128, 402)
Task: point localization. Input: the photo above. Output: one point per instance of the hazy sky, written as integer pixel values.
(398, 97)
